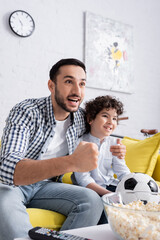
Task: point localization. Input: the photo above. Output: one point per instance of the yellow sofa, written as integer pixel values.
(141, 156)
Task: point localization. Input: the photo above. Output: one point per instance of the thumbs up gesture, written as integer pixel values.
(118, 150)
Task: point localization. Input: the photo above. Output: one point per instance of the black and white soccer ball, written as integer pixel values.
(138, 186)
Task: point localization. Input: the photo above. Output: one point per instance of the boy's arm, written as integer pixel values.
(119, 167)
(97, 188)
(85, 180)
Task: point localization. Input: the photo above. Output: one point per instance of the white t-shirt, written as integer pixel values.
(57, 145)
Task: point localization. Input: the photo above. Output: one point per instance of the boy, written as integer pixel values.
(102, 118)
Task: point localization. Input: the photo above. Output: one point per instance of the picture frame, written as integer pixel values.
(108, 54)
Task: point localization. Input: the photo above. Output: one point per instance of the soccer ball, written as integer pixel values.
(138, 186)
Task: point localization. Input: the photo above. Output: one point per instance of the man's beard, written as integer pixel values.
(60, 101)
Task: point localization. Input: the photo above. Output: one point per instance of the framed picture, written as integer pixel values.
(108, 54)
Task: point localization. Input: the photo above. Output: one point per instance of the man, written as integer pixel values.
(37, 145)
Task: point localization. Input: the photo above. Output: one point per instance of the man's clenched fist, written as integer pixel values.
(85, 157)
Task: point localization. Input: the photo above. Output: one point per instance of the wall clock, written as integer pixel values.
(21, 23)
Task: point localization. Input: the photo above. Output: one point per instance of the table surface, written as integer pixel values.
(99, 232)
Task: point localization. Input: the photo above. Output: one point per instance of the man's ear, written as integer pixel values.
(51, 85)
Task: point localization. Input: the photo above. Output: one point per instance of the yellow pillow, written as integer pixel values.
(141, 155)
(45, 218)
(156, 173)
(158, 183)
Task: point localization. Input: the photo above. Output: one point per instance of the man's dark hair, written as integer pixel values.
(93, 107)
(68, 61)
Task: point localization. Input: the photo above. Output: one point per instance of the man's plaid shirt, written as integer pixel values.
(28, 126)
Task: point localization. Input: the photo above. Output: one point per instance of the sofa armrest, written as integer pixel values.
(156, 173)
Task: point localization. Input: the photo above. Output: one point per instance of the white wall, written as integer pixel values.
(25, 62)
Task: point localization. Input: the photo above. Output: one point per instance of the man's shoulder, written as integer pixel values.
(80, 114)
(28, 109)
(79, 118)
(81, 111)
(31, 104)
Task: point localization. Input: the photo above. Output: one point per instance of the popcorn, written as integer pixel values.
(135, 220)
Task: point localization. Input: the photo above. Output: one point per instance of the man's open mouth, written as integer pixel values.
(73, 100)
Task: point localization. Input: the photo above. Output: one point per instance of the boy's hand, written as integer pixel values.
(85, 157)
(118, 150)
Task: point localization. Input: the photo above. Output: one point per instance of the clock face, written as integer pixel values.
(21, 23)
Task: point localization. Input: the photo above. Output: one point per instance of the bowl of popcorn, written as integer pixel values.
(132, 221)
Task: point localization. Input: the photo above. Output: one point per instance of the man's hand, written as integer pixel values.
(85, 157)
(118, 150)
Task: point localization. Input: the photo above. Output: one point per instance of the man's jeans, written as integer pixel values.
(83, 207)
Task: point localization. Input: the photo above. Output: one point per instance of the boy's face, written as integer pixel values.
(104, 123)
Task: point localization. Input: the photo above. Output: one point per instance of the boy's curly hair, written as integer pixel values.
(93, 107)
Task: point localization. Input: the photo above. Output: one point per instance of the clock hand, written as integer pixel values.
(20, 22)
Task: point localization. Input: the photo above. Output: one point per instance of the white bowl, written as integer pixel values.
(132, 221)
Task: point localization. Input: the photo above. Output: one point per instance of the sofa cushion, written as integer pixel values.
(141, 155)
(45, 218)
(67, 178)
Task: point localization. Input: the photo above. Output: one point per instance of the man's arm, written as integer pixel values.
(28, 171)
(22, 141)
